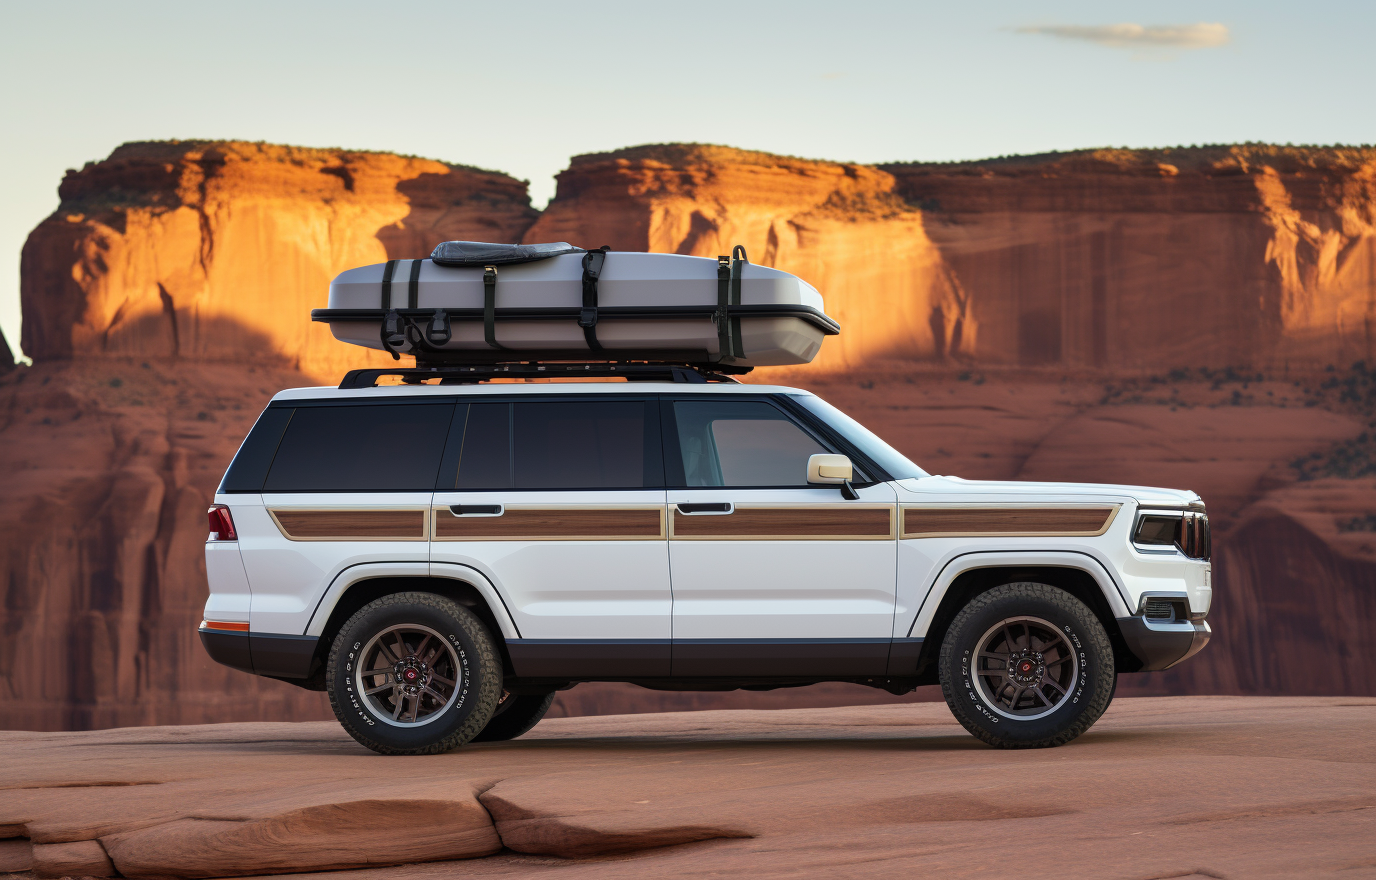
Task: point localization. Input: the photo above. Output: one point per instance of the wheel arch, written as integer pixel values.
(458, 583)
(967, 578)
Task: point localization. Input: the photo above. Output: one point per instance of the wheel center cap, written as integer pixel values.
(1026, 668)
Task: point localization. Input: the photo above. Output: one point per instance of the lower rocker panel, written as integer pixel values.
(629, 659)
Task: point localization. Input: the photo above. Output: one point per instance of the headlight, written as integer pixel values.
(1186, 530)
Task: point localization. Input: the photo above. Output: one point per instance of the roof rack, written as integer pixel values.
(693, 374)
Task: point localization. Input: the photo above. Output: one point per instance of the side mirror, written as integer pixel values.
(832, 470)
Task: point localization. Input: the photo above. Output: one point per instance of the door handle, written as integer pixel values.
(476, 509)
(705, 507)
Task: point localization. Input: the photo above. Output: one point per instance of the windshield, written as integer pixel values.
(881, 453)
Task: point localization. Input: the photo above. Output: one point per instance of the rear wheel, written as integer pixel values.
(413, 674)
(516, 714)
(1027, 666)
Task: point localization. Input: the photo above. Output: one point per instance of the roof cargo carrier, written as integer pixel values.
(473, 303)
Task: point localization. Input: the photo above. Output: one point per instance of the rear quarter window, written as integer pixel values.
(361, 448)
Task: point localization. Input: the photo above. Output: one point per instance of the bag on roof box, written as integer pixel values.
(474, 302)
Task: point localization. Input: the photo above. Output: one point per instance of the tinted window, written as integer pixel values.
(741, 443)
(480, 448)
(554, 444)
(361, 448)
(869, 444)
(250, 466)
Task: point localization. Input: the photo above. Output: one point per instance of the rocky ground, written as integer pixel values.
(1162, 787)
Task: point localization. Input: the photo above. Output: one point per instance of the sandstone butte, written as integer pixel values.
(1165, 317)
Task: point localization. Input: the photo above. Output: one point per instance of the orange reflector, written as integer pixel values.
(230, 625)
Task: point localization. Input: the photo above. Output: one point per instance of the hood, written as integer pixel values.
(1143, 495)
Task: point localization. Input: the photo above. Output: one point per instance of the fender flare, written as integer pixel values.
(974, 560)
(367, 571)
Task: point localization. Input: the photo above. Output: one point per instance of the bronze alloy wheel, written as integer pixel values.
(1024, 668)
(408, 675)
(1026, 665)
(413, 673)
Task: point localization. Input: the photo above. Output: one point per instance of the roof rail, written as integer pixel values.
(473, 374)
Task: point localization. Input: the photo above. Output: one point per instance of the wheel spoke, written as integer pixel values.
(1037, 692)
(379, 689)
(1008, 634)
(405, 651)
(435, 676)
(399, 697)
(440, 698)
(1052, 682)
(995, 656)
(386, 653)
(1017, 695)
(421, 647)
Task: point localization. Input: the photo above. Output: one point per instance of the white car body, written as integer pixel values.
(693, 602)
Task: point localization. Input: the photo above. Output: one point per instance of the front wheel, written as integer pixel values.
(413, 674)
(1027, 666)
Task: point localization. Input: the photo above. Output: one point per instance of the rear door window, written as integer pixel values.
(554, 444)
(361, 448)
(741, 443)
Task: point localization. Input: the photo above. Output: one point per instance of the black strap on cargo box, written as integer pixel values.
(393, 330)
(413, 288)
(722, 317)
(587, 319)
(729, 294)
(490, 307)
(737, 267)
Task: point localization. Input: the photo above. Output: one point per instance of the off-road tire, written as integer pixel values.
(516, 715)
(478, 687)
(1094, 681)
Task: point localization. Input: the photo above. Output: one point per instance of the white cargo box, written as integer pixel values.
(513, 303)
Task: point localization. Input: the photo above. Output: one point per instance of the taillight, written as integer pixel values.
(221, 524)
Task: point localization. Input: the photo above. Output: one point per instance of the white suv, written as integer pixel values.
(442, 558)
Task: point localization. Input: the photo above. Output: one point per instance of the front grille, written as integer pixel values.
(1159, 609)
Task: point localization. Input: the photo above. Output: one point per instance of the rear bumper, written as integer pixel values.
(1163, 645)
(272, 654)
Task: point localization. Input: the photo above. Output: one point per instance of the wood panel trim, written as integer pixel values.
(549, 523)
(810, 522)
(370, 524)
(1084, 521)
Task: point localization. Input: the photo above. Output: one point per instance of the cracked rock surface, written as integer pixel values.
(1161, 787)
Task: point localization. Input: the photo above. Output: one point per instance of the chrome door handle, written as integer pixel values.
(705, 507)
(476, 509)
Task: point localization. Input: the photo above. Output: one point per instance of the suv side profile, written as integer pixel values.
(442, 559)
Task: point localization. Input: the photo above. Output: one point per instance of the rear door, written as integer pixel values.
(350, 483)
(559, 501)
(772, 576)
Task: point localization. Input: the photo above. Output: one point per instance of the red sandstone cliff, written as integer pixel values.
(216, 251)
(1254, 256)
(169, 297)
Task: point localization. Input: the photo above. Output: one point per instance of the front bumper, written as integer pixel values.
(1163, 645)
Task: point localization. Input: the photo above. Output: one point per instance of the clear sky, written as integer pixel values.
(520, 87)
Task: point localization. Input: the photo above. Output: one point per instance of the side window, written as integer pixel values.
(480, 448)
(554, 444)
(361, 448)
(741, 443)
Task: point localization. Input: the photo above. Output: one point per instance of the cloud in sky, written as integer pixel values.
(1203, 35)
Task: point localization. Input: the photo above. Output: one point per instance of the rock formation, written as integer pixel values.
(218, 251)
(842, 227)
(1001, 319)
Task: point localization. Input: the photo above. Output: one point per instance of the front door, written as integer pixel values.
(771, 576)
(559, 502)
